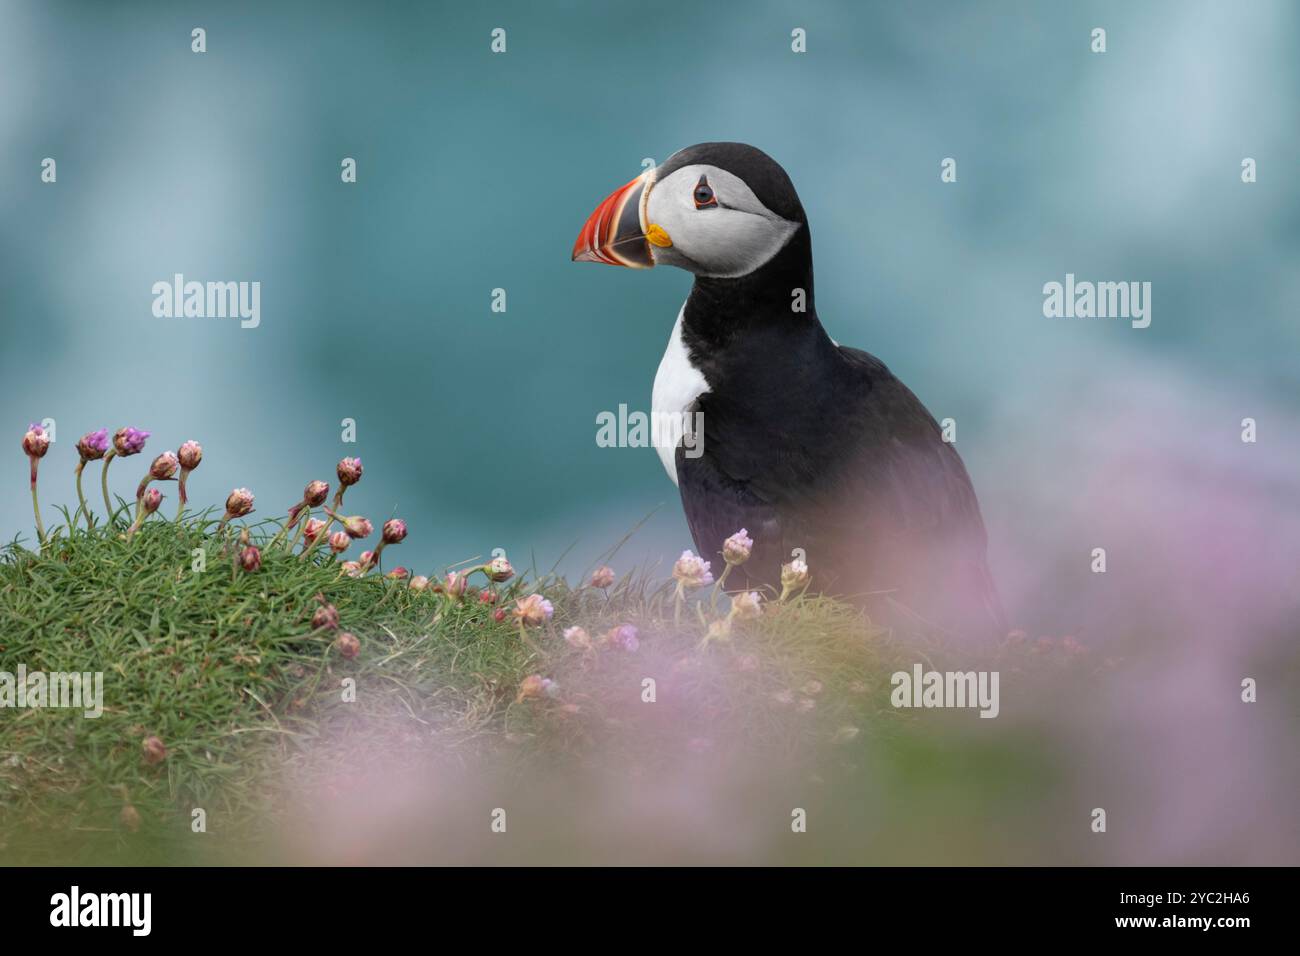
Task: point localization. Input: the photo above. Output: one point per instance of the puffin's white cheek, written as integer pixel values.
(731, 243)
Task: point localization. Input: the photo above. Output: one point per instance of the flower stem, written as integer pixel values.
(36, 507)
(722, 579)
(323, 534)
(523, 635)
(373, 561)
(81, 508)
(279, 535)
(139, 497)
(180, 490)
(103, 480)
(302, 525)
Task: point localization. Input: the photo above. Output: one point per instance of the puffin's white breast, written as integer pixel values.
(678, 384)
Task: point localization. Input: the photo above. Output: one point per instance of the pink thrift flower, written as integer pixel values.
(155, 752)
(93, 445)
(348, 645)
(533, 610)
(164, 467)
(129, 441)
(737, 548)
(499, 570)
(692, 571)
(314, 494)
(35, 442)
(239, 503)
(189, 455)
(349, 471)
(313, 527)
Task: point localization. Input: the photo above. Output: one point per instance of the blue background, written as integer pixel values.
(477, 170)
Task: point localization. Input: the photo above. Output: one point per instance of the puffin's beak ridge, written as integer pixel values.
(616, 232)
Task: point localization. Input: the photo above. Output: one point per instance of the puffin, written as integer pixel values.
(816, 449)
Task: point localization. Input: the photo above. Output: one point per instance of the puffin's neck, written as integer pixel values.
(719, 311)
(733, 327)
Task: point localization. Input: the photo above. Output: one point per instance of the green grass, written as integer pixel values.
(224, 667)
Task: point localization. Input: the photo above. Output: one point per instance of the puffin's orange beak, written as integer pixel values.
(616, 232)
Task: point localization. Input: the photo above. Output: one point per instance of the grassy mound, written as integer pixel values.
(224, 667)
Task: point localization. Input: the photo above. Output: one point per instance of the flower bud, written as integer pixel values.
(367, 558)
(577, 637)
(737, 548)
(327, 615)
(394, 531)
(499, 615)
(455, 584)
(794, 574)
(602, 577)
(315, 493)
(533, 610)
(530, 687)
(155, 752)
(348, 645)
(357, 526)
(35, 442)
(351, 568)
(398, 573)
(487, 596)
(625, 636)
(691, 571)
(349, 471)
(313, 527)
(239, 503)
(499, 569)
(93, 445)
(747, 606)
(164, 466)
(129, 441)
(151, 500)
(419, 583)
(189, 455)
(339, 542)
(250, 559)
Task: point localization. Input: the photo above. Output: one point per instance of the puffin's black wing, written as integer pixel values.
(862, 482)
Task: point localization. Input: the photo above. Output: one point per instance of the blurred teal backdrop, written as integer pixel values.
(475, 171)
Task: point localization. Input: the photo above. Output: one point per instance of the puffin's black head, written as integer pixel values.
(719, 210)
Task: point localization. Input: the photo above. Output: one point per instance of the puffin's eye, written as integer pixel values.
(704, 197)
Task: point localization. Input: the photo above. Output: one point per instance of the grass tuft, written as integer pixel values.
(224, 667)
